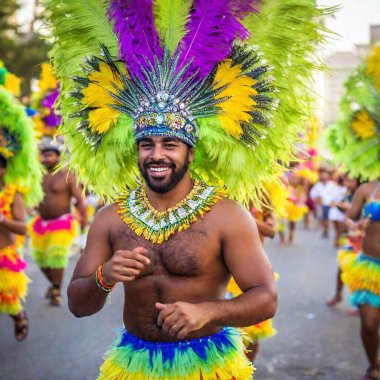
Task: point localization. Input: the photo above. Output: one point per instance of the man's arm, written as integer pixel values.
(248, 264)
(17, 225)
(245, 258)
(76, 193)
(84, 296)
(267, 228)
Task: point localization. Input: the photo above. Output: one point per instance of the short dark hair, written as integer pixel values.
(3, 162)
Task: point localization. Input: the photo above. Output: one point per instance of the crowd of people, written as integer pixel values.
(171, 127)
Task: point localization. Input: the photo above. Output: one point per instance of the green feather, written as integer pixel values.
(170, 19)
(24, 169)
(288, 33)
(77, 27)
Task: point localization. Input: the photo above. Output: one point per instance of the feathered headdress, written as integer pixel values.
(9, 81)
(354, 139)
(19, 147)
(190, 69)
(47, 119)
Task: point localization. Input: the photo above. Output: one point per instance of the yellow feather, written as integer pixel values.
(97, 94)
(102, 119)
(12, 84)
(48, 80)
(363, 125)
(239, 92)
(373, 66)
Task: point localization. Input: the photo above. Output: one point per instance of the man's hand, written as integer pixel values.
(125, 265)
(181, 318)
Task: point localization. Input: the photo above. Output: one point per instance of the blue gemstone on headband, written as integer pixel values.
(159, 118)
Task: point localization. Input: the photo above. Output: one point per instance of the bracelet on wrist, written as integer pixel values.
(101, 282)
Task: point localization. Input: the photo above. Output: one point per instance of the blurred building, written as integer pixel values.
(341, 64)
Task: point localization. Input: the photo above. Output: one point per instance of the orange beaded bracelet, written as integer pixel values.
(101, 282)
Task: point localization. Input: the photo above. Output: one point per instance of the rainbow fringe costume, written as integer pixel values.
(262, 330)
(218, 356)
(52, 239)
(13, 281)
(361, 274)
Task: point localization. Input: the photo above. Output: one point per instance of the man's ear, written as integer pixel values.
(191, 154)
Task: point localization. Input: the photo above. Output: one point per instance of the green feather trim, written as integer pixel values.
(77, 27)
(170, 19)
(289, 33)
(24, 169)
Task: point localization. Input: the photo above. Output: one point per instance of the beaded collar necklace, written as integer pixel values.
(157, 226)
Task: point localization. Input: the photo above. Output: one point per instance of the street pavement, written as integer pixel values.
(313, 342)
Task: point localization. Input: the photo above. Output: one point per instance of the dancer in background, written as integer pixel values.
(350, 242)
(354, 141)
(54, 229)
(20, 176)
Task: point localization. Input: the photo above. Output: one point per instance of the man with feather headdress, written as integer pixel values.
(172, 113)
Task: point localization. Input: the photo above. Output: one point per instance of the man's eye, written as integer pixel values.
(145, 146)
(170, 146)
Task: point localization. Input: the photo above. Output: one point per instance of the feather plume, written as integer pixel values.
(138, 38)
(241, 8)
(78, 27)
(211, 31)
(288, 34)
(238, 94)
(171, 17)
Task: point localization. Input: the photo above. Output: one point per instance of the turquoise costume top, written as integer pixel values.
(372, 207)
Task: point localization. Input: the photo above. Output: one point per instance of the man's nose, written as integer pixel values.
(158, 153)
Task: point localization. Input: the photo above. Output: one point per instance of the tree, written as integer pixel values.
(21, 47)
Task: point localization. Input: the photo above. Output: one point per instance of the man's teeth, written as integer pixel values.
(159, 169)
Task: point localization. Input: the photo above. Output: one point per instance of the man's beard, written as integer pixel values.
(165, 185)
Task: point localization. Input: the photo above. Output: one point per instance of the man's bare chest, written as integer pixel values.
(187, 253)
(54, 184)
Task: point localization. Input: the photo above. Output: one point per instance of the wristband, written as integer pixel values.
(101, 282)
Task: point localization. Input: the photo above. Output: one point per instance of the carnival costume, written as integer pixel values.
(23, 174)
(52, 240)
(185, 69)
(355, 142)
(354, 139)
(47, 119)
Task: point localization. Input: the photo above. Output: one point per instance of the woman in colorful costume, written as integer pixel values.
(355, 142)
(182, 69)
(20, 175)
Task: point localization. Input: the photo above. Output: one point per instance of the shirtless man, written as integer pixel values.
(54, 229)
(363, 276)
(175, 291)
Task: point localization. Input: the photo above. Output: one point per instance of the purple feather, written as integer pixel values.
(212, 28)
(242, 8)
(133, 24)
(52, 120)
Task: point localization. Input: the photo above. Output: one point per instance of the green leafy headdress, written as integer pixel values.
(354, 139)
(197, 70)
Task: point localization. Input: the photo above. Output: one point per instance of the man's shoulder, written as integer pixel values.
(228, 209)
